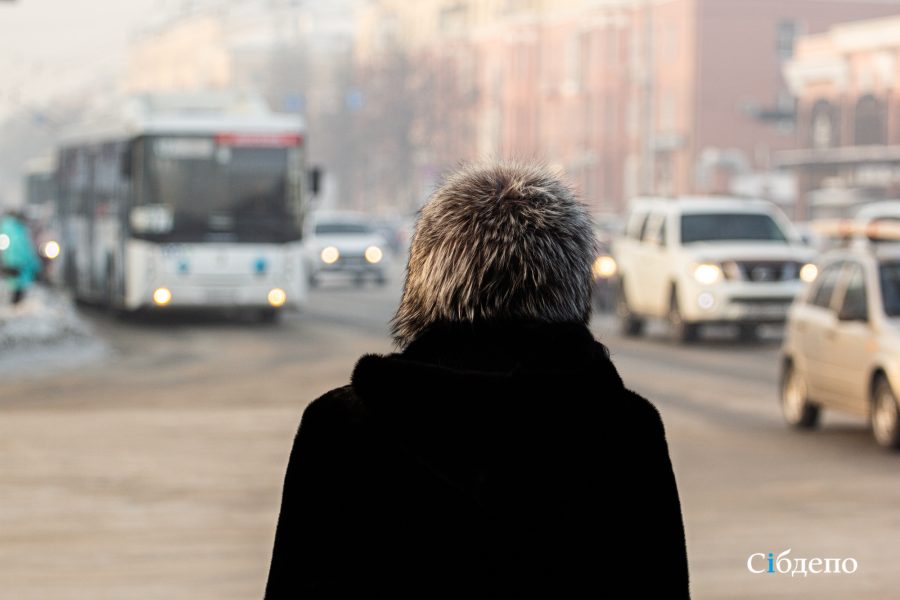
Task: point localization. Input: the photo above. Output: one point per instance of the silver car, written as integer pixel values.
(842, 342)
(345, 243)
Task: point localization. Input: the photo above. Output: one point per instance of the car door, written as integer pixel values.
(639, 287)
(656, 263)
(627, 253)
(848, 344)
(814, 320)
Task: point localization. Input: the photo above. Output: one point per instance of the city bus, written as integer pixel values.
(186, 201)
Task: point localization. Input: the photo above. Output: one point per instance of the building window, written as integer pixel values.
(668, 112)
(823, 125)
(452, 19)
(670, 42)
(573, 60)
(869, 122)
(785, 38)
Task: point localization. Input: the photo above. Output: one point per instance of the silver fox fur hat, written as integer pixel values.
(495, 242)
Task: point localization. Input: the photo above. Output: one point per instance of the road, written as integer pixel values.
(155, 472)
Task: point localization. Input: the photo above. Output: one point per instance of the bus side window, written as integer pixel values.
(127, 160)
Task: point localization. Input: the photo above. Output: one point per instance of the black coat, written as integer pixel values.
(503, 460)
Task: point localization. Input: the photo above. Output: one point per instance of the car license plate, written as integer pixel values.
(766, 310)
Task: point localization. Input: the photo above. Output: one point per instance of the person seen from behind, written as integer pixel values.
(497, 453)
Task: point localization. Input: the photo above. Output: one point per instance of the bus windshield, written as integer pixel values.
(728, 227)
(214, 189)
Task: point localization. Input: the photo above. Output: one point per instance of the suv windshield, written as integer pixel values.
(343, 228)
(712, 227)
(889, 277)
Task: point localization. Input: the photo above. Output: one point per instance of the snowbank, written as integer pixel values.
(45, 316)
(44, 333)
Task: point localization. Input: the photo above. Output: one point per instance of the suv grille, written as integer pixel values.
(766, 271)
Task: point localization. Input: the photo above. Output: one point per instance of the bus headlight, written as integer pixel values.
(50, 249)
(707, 273)
(808, 272)
(277, 297)
(604, 267)
(329, 255)
(162, 296)
(374, 254)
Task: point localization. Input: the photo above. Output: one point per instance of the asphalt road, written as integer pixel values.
(155, 471)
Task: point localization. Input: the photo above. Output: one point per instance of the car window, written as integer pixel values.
(889, 278)
(825, 285)
(643, 235)
(854, 303)
(655, 229)
(636, 225)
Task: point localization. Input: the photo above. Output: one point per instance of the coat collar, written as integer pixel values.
(486, 358)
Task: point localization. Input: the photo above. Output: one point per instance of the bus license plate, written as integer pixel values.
(221, 296)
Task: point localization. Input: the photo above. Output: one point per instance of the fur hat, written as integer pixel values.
(496, 242)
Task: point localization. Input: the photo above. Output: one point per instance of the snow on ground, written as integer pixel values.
(43, 332)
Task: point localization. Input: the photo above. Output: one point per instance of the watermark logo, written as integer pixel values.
(761, 562)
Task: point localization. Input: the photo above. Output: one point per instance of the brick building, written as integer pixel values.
(848, 129)
(627, 96)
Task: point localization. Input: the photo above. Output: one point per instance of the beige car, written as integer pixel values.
(842, 342)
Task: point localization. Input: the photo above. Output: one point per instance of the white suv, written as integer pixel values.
(696, 261)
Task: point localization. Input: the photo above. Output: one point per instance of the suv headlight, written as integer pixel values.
(604, 267)
(808, 272)
(707, 273)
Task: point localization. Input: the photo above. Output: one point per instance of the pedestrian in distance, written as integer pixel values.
(18, 259)
(497, 453)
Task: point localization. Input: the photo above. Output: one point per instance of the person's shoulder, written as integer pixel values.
(640, 411)
(335, 407)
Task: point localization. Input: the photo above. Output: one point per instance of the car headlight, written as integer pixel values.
(808, 272)
(604, 267)
(374, 254)
(329, 255)
(707, 273)
(50, 249)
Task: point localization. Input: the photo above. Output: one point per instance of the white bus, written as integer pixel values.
(187, 201)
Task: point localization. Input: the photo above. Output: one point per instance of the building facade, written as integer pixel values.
(628, 97)
(848, 142)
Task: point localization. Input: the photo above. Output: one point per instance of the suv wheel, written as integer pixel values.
(681, 330)
(798, 412)
(630, 324)
(884, 415)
